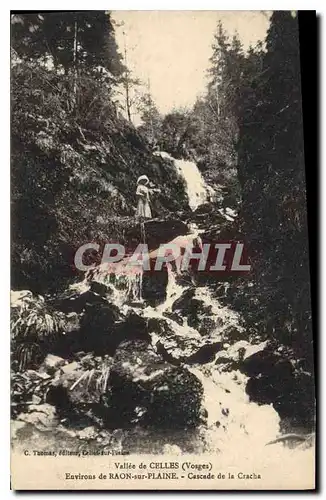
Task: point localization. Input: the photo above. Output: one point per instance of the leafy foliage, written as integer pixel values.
(75, 160)
(32, 319)
(272, 176)
(34, 326)
(151, 127)
(70, 41)
(207, 133)
(272, 173)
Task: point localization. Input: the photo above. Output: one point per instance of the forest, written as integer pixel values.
(75, 158)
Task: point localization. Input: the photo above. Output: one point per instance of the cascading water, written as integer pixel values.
(196, 186)
(173, 291)
(232, 421)
(124, 282)
(197, 189)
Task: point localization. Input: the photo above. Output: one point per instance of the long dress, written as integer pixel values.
(143, 207)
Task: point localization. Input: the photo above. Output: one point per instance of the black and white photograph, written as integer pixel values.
(161, 319)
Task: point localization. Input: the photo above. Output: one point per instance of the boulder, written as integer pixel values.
(133, 327)
(154, 284)
(266, 362)
(176, 343)
(102, 329)
(232, 356)
(183, 303)
(159, 232)
(127, 231)
(207, 215)
(79, 383)
(174, 316)
(195, 310)
(148, 390)
(93, 333)
(196, 306)
(234, 333)
(205, 354)
(97, 328)
(43, 417)
(277, 378)
(100, 289)
(77, 301)
(52, 363)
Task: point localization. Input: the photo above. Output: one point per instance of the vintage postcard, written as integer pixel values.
(161, 330)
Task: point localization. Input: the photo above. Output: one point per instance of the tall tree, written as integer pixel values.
(227, 64)
(272, 175)
(151, 126)
(76, 43)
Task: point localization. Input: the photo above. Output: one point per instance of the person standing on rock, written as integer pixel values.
(143, 210)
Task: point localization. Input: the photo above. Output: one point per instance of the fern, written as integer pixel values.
(33, 320)
(28, 355)
(34, 326)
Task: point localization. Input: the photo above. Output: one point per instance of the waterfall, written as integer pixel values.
(173, 291)
(124, 283)
(196, 186)
(197, 190)
(232, 420)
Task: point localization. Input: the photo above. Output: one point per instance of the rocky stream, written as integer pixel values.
(151, 363)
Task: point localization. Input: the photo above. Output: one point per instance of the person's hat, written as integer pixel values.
(143, 178)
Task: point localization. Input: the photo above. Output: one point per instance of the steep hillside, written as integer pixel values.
(72, 173)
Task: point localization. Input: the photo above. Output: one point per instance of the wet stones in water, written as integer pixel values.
(275, 379)
(233, 334)
(266, 362)
(43, 417)
(166, 355)
(171, 346)
(188, 306)
(231, 356)
(225, 362)
(133, 327)
(100, 289)
(154, 287)
(205, 354)
(162, 231)
(96, 328)
(78, 302)
(179, 347)
(157, 231)
(148, 390)
(160, 326)
(52, 363)
(174, 316)
(183, 303)
(195, 311)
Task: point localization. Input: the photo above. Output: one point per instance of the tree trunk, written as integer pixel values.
(74, 98)
(128, 104)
